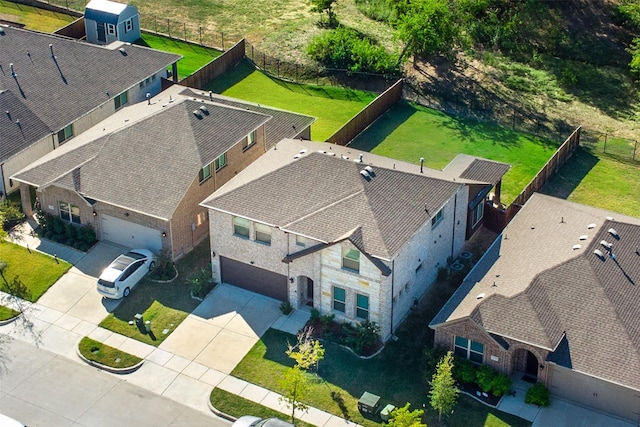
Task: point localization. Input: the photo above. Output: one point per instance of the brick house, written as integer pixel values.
(53, 88)
(346, 232)
(138, 176)
(556, 300)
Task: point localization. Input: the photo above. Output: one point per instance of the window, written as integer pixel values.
(120, 100)
(436, 219)
(69, 212)
(351, 259)
(220, 162)
(241, 227)
(468, 349)
(477, 213)
(362, 307)
(339, 299)
(263, 233)
(249, 140)
(64, 134)
(128, 25)
(204, 174)
(111, 29)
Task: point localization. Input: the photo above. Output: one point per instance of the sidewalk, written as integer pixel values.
(171, 375)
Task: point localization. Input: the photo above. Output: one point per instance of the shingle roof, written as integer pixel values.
(19, 126)
(486, 171)
(584, 307)
(147, 165)
(285, 124)
(326, 198)
(59, 89)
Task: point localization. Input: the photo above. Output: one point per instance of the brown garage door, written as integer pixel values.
(254, 279)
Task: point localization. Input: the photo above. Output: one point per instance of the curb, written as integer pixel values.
(13, 319)
(119, 371)
(219, 413)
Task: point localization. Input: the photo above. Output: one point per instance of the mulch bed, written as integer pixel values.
(475, 392)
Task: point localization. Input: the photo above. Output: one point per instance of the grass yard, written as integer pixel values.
(333, 106)
(37, 271)
(33, 18)
(194, 56)
(408, 132)
(106, 355)
(7, 313)
(600, 180)
(166, 305)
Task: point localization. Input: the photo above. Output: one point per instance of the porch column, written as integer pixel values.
(496, 197)
(25, 199)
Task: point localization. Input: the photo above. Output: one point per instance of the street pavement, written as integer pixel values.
(43, 389)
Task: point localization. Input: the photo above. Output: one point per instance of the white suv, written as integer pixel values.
(124, 273)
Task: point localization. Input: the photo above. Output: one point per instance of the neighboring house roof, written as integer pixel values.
(285, 124)
(326, 197)
(104, 11)
(145, 156)
(19, 126)
(582, 307)
(57, 90)
(475, 170)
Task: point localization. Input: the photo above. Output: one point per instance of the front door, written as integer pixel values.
(531, 368)
(309, 292)
(102, 35)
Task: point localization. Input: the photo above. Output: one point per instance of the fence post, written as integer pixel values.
(252, 60)
(635, 148)
(169, 27)
(222, 39)
(155, 23)
(200, 31)
(185, 31)
(278, 67)
(605, 142)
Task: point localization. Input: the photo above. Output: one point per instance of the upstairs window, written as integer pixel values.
(128, 25)
(339, 299)
(204, 174)
(468, 349)
(263, 233)
(241, 226)
(65, 134)
(220, 162)
(120, 100)
(351, 259)
(437, 218)
(249, 140)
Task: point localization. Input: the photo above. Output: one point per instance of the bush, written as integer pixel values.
(286, 307)
(538, 395)
(345, 48)
(367, 337)
(164, 268)
(11, 214)
(501, 385)
(484, 377)
(81, 237)
(464, 371)
(432, 356)
(201, 283)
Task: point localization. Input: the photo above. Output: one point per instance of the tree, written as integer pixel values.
(444, 392)
(296, 385)
(426, 27)
(307, 352)
(402, 417)
(325, 6)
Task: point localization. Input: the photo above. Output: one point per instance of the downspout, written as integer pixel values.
(453, 233)
(393, 274)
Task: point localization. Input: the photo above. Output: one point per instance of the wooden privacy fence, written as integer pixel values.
(497, 219)
(75, 30)
(368, 115)
(215, 68)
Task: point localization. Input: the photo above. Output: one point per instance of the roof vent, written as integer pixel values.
(1, 31)
(609, 218)
(360, 157)
(584, 237)
(575, 247)
(51, 49)
(370, 170)
(590, 226)
(605, 244)
(365, 175)
(204, 109)
(197, 114)
(322, 152)
(599, 254)
(303, 151)
(614, 233)
(13, 73)
(296, 157)
(331, 154)
(122, 51)
(480, 295)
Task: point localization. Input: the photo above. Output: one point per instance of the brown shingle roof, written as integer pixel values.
(485, 171)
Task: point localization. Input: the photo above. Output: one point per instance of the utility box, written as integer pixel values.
(369, 403)
(385, 414)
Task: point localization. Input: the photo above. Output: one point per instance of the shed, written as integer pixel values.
(107, 21)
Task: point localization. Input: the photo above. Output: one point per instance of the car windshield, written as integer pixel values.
(123, 261)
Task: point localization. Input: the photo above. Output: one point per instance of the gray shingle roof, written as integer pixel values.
(147, 165)
(14, 136)
(326, 198)
(583, 307)
(285, 124)
(485, 171)
(60, 89)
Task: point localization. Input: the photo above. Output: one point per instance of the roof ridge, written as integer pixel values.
(324, 208)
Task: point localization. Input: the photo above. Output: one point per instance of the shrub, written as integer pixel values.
(484, 377)
(501, 385)
(464, 371)
(164, 268)
(367, 336)
(538, 395)
(11, 214)
(286, 307)
(201, 283)
(315, 314)
(432, 356)
(80, 237)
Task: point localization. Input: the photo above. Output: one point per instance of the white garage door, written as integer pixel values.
(129, 234)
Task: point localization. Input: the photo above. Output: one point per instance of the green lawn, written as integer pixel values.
(106, 355)
(166, 305)
(194, 56)
(37, 271)
(7, 313)
(33, 18)
(408, 132)
(597, 179)
(332, 106)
